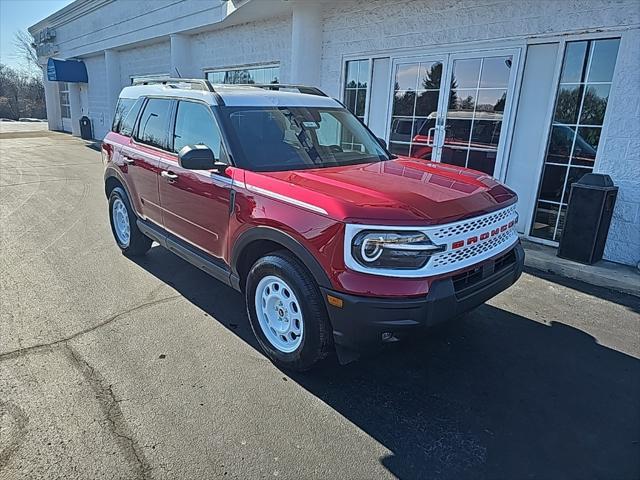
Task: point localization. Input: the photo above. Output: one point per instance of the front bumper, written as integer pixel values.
(364, 323)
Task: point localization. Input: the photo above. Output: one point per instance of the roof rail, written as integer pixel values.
(277, 86)
(198, 83)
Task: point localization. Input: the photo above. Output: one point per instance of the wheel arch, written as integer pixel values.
(258, 241)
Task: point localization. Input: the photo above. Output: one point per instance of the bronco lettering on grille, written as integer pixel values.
(483, 236)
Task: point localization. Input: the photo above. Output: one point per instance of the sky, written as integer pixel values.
(19, 15)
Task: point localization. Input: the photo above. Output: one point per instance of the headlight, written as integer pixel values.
(385, 249)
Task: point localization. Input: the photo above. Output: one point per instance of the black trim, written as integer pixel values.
(358, 326)
(288, 242)
(195, 256)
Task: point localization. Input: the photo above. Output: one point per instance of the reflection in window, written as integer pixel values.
(246, 75)
(583, 93)
(415, 108)
(477, 100)
(355, 95)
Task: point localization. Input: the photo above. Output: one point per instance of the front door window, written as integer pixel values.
(583, 92)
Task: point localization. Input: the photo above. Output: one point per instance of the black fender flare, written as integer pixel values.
(111, 172)
(288, 242)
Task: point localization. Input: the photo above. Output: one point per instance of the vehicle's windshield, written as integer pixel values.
(292, 138)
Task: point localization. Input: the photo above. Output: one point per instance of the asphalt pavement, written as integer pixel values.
(119, 369)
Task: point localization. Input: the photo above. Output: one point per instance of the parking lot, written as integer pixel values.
(113, 368)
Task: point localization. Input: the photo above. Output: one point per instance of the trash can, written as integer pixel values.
(85, 128)
(588, 218)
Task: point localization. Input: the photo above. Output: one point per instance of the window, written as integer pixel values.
(65, 108)
(289, 138)
(356, 87)
(154, 123)
(122, 108)
(259, 75)
(128, 122)
(195, 125)
(581, 102)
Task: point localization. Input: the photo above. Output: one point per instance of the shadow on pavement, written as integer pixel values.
(490, 395)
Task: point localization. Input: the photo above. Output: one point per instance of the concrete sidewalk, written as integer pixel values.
(614, 276)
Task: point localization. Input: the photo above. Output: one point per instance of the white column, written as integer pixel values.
(74, 106)
(52, 101)
(181, 64)
(114, 83)
(306, 43)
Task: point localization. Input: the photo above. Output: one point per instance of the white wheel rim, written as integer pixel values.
(279, 314)
(121, 221)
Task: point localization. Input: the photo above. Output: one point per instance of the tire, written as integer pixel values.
(307, 341)
(121, 217)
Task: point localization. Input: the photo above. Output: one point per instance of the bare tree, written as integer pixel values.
(25, 46)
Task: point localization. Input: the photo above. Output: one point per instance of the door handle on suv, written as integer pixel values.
(170, 176)
(127, 159)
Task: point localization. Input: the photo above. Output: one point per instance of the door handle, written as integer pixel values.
(127, 159)
(429, 141)
(170, 176)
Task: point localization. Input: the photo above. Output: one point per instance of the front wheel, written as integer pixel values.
(286, 312)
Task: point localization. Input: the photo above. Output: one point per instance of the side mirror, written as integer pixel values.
(199, 157)
(382, 142)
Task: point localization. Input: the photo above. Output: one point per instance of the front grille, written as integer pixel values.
(472, 224)
(505, 260)
(466, 279)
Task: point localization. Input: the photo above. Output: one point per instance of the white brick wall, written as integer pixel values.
(619, 152)
(154, 59)
(259, 42)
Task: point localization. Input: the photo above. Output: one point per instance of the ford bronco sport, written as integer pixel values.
(283, 194)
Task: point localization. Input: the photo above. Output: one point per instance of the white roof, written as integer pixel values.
(233, 95)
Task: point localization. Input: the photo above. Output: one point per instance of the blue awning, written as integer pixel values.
(67, 71)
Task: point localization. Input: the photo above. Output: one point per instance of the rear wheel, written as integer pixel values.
(125, 230)
(286, 312)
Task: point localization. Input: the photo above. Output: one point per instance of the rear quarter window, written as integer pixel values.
(128, 119)
(153, 127)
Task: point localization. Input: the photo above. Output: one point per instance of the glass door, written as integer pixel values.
(415, 106)
(65, 107)
(453, 108)
(474, 122)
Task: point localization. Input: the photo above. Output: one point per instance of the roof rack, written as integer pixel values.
(195, 83)
(286, 86)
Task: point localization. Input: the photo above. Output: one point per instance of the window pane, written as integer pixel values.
(352, 74)
(430, 76)
(403, 103)
(421, 151)
(463, 100)
(575, 57)
(122, 108)
(568, 104)
(350, 99)
(584, 151)
(575, 174)
(495, 72)
(603, 60)
(401, 129)
(195, 125)
(154, 123)
(457, 132)
(485, 134)
(560, 144)
(595, 104)
(491, 100)
(563, 215)
(466, 73)
(399, 149)
(427, 103)
(363, 73)
(482, 161)
(406, 76)
(552, 182)
(361, 98)
(454, 156)
(544, 222)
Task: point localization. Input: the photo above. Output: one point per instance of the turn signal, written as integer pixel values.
(335, 301)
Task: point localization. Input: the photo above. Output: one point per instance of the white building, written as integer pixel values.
(537, 92)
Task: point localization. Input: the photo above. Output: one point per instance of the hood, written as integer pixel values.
(396, 192)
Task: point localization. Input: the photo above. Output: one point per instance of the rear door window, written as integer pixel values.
(154, 123)
(122, 108)
(128, 120)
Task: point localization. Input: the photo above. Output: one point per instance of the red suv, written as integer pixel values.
(283, 194)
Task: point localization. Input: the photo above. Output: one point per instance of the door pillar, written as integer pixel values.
(306, 43)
